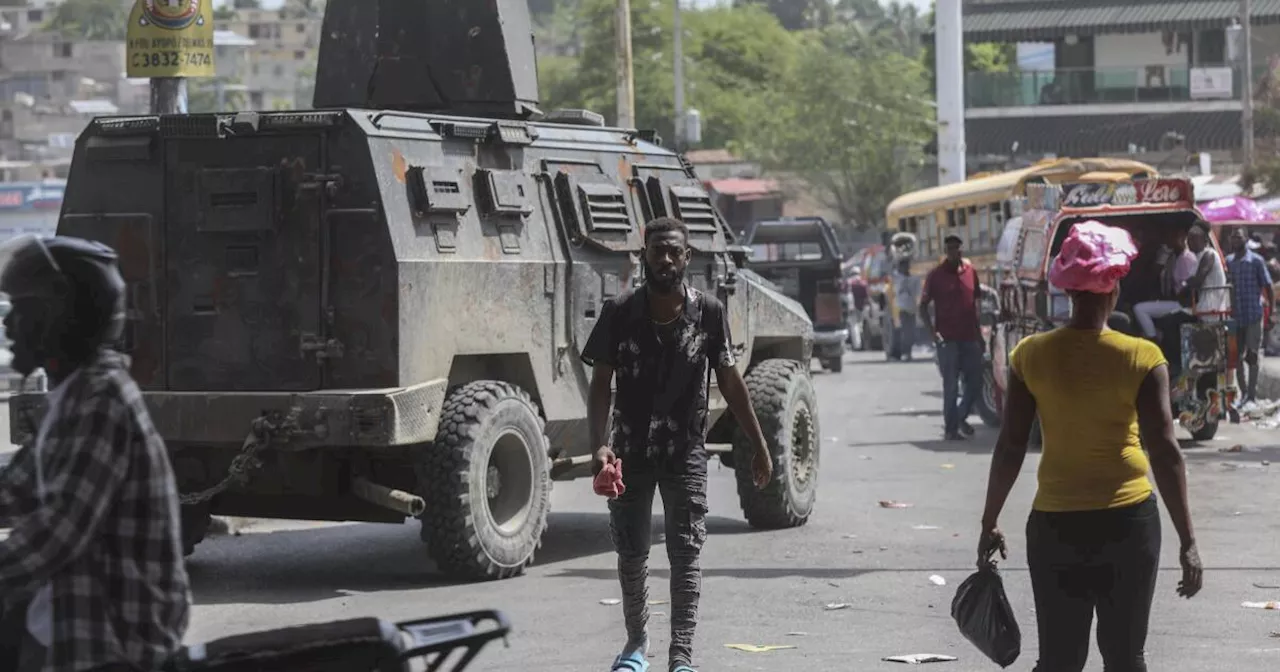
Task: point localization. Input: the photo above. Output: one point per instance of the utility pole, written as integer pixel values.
(677, 68)
(1246, 48)
(626, 79)
(168, 95)
(949, 66)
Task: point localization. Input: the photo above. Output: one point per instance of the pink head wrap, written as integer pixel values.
(1093, 258)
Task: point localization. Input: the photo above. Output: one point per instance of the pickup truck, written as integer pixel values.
(802, 257)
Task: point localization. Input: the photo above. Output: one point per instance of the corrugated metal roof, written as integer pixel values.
(1026, 21)
(740, 186)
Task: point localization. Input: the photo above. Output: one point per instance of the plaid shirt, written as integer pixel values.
(106, 534)
(1249, 275)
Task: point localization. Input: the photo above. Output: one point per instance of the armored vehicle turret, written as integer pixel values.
(374, 310)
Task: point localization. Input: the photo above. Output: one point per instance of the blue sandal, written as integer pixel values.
(632, 662)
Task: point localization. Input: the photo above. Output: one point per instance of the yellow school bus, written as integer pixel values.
(976, 210)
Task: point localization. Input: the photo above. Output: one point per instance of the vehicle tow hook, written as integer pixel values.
(388, 498)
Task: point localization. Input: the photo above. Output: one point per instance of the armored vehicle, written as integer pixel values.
(801, 256)
(373, 310)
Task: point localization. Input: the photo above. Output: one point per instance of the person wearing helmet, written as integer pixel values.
(91, 574)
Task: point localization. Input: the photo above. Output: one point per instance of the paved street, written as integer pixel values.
(881, 425)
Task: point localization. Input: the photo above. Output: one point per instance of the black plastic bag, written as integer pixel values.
(984, 616)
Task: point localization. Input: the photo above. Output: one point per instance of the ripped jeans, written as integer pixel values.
(684, 499)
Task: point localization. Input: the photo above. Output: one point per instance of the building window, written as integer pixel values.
(279, 71)
(62, 50)
(301, 28)
(299, 55)
(255, 31)
(35, 15)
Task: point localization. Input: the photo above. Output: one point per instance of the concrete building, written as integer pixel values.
(281, 62)
(1151, 79)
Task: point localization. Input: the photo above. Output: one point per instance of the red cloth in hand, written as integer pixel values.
(608, 482)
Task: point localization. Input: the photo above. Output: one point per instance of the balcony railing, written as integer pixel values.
(1089, 86)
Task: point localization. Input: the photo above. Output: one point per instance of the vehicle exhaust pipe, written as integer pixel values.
(388, 498)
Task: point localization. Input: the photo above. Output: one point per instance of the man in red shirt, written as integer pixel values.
(952, 287)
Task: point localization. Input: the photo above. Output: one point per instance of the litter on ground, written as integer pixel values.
(890, 504)
(918, 658)
(756, 648)
(1272, 605)
(937, 580)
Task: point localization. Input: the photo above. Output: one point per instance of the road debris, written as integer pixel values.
(919, 658)
(1267, 586)
(1238, 448)
(836, 606)
(925, 527)
(948, 466)
(654, 603)
(756, 648)
(937, 580)
(797, 634)
(1270, 606)
(890, 504)
(611, 601)
(1265, 415)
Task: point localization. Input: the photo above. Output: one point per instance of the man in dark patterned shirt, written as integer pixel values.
(91, 574)
(660, 340)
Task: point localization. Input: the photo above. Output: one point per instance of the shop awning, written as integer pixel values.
(1045, 20)
(1091, 135)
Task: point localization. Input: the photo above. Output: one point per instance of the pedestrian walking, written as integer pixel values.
(1093, 535)
(1252, 283)
(952, 288)
(92, 574)
(906, 299)
(662, 340)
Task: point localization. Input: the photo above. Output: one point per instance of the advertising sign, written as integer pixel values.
(1208, 83)
(22, 196)
(1165, 191)
(170, 38)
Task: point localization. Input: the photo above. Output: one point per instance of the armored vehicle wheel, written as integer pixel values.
(1207, 432)
(988, 404)
(195, 519)
(486, 481)
(784, 400)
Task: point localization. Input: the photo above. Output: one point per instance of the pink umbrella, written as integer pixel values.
(1236, 209)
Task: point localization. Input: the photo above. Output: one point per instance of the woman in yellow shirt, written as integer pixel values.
(1093, 536)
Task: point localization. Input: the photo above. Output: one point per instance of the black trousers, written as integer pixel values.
(1086, 561)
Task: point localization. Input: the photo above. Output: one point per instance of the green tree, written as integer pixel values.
(731, 55)
(796, 14)
(978, 56)
(850, 117)
(90, 19)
